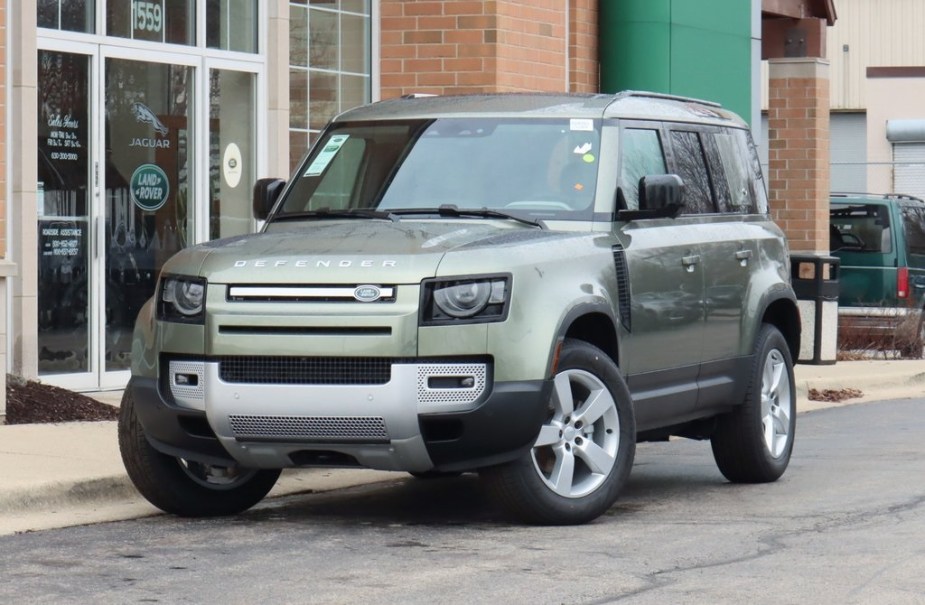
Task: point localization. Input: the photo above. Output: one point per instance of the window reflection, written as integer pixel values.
(692, 169)
(641, 155)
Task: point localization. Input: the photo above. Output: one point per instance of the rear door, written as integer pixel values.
(862, 237)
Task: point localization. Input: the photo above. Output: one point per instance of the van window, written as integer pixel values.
(914, 226)
(860, 228)
(641, 155)
(691, 166)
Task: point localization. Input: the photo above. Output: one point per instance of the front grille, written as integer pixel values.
(306, 370)
(364, 429)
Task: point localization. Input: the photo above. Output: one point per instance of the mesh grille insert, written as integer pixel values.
(306, 370)
(370, 429)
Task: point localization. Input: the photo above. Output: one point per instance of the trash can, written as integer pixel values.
(815, 282)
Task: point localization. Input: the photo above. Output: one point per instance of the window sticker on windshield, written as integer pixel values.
(327, 154)
(582, 149)
(581, 124)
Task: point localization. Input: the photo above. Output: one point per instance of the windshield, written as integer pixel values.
(534, 168)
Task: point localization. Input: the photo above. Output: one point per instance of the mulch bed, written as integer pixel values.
(834, 395)
(31, 402)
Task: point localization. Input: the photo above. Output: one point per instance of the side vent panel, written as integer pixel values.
(623, 283)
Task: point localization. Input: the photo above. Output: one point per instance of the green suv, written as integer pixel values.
(522, 286)
(880, 243)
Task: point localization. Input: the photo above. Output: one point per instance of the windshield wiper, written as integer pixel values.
(323, 213)
(453, 210)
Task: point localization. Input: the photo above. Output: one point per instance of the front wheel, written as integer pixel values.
(584, 451)
(753, 443)
(184, 487)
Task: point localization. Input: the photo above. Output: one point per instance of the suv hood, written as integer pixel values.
(352, 251)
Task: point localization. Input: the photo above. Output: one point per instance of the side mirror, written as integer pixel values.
(266, 192)
(661, 194)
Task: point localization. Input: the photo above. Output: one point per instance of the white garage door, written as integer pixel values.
(909, 168)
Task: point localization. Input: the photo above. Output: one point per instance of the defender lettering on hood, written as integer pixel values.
(337, 264)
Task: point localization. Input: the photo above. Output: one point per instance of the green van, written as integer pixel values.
(880, 242)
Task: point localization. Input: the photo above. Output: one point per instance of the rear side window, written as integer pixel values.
(691, 166)
(734, 158)
(914, 227)
(641, 154)
(860, 228)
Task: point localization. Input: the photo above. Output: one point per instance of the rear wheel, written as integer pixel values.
(584, 451)
(185, 487)
(753, 443)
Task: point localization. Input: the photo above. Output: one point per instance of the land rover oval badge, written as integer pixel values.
(367, 293)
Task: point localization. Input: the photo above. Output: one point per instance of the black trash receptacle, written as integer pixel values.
(815, 282)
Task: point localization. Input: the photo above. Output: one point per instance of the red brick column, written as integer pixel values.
(798, 151)
(472, 46)
(584, 66)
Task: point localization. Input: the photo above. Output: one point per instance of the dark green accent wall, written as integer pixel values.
(696, 48)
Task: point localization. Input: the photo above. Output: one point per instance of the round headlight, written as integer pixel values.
(463, 300)
(186, 296)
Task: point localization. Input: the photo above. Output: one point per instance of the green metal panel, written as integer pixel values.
(699, 49)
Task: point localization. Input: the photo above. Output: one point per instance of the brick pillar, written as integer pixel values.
(584, 65)
(474, 46)
(798, 151)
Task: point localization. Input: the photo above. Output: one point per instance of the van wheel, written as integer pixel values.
(584, 451)
(185, 487)
(753, 443)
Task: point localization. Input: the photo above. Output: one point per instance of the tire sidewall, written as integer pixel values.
(770, 340)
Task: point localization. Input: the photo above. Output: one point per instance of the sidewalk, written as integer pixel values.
(56, 475)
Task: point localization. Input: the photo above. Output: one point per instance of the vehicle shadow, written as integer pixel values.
(463, 500)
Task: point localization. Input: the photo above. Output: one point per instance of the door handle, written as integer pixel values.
(742, 256)
(690, 261)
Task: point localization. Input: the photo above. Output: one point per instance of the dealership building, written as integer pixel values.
(135, 128)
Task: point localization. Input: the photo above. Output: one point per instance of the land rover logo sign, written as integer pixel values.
(367, 293)
(149, 187)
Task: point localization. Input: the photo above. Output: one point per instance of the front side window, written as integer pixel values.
(641, 154)
(692, 168)
(535, 168)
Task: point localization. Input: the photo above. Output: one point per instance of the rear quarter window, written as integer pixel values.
(860, 228)
(914, 229)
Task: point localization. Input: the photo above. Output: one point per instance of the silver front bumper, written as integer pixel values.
(262, 425)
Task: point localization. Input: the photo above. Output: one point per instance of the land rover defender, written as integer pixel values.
(522, 286)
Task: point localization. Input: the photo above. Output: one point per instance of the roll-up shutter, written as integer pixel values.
(909, 169)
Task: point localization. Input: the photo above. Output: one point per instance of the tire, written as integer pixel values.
(753, 443)
(584, 451)
(183, 487)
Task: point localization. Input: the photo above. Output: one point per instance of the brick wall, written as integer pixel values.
(471, 46)
(584, 72)
(798, 151)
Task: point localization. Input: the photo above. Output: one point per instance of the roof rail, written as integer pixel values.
(670, 97)
(885, 196)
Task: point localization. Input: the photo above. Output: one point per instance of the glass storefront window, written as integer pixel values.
(63, 212)
(232, 25)
(171, 21)
(329, 60)
(69, 15)
(148, 133)
(232, 152)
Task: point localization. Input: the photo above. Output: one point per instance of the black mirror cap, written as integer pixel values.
(660, 196)
(266, 192)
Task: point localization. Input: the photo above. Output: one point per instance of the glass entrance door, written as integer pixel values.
(148, 217)
(129, 174)
(65, 192)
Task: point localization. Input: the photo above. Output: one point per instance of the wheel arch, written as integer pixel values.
(783, 314)
(593, 324)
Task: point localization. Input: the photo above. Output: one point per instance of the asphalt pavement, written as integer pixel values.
(54, 475)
